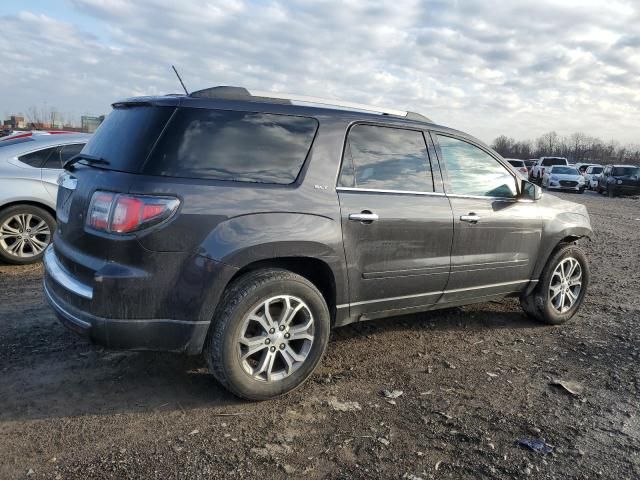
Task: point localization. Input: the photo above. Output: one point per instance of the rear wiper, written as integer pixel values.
(84, 156)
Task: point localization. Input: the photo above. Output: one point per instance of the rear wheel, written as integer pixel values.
(561, 289)
(269, 334)
(25, 232)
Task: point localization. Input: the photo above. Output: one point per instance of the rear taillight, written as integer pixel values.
(523, 170)
(120, 213)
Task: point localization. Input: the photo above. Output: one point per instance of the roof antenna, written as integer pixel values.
(181, 82)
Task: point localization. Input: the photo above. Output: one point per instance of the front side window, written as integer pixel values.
(233, 145)
(385, 158)
(474, 172)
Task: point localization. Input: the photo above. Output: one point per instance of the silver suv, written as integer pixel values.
(30, 163)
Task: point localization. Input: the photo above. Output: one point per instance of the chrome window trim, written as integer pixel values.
(377, 190)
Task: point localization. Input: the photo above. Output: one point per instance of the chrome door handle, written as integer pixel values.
(363, 217)
(471, 218)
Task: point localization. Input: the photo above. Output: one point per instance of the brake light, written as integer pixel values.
(120, 213)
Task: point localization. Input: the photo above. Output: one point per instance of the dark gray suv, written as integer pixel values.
(245, 226)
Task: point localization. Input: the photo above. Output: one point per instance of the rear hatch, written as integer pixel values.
(218, 163)
(122, 143)
(627, 176)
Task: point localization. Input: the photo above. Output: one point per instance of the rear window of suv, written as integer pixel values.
(625, 171)
(127, 135)
(233, 145)
(547, 162)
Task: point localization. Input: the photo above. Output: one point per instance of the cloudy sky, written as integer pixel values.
(516, 67)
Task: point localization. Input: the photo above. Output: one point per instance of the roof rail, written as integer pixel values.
(240, 93)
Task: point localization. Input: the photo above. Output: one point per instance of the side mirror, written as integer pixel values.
(530, 191)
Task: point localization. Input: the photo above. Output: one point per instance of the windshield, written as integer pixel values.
(516, 163)
(547, 162)
(564, 171)
(625, 171)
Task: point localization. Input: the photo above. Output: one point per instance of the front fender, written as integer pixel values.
(565, 225)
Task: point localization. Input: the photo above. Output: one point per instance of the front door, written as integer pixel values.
(396, 222)
(496, 236)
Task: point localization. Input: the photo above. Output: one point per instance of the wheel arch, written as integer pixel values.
(560, 241)
(51, 211)
(313, 269)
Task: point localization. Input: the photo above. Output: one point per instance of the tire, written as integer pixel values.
(610, 192)
(541, 305)
(17, 244)
(247, 295)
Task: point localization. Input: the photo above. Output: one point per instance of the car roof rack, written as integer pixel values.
(240, 93)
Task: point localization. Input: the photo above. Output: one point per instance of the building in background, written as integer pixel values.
(15, 121)
(90, 123)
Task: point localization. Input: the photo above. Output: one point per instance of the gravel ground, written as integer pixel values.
(475, 380)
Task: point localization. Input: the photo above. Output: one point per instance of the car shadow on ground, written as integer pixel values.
(481, 317)
(69, 376)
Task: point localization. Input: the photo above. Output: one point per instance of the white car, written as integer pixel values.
(519, 166)
(591, 175)
(30, 163)
(561, 177)
(544, 163)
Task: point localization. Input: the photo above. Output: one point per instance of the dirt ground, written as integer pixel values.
(475, 380)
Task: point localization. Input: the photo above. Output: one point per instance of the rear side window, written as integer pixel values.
(63, 153)
(37, 159)
(385, 158)
(233, 145)
(127, 135)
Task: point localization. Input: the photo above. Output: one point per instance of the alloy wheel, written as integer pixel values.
(24, 235)
(276, 338)
(565, 285)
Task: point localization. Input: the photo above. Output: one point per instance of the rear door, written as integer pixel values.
(496, 236)
(396, 221)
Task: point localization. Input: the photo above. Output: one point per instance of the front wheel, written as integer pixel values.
(268, 335)
(610, 192)
(561, 289)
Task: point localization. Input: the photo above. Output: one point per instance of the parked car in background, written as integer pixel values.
(619, 180)
(591, 175)
(30, 163)
(246, 225)
(560, 177)
(530, 163)
(519, 166)
(582, 167)
(544, 163)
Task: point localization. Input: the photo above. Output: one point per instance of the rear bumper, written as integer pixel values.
(137, 312)
(139, 334)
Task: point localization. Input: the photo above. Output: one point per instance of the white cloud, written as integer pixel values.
(487, 67)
